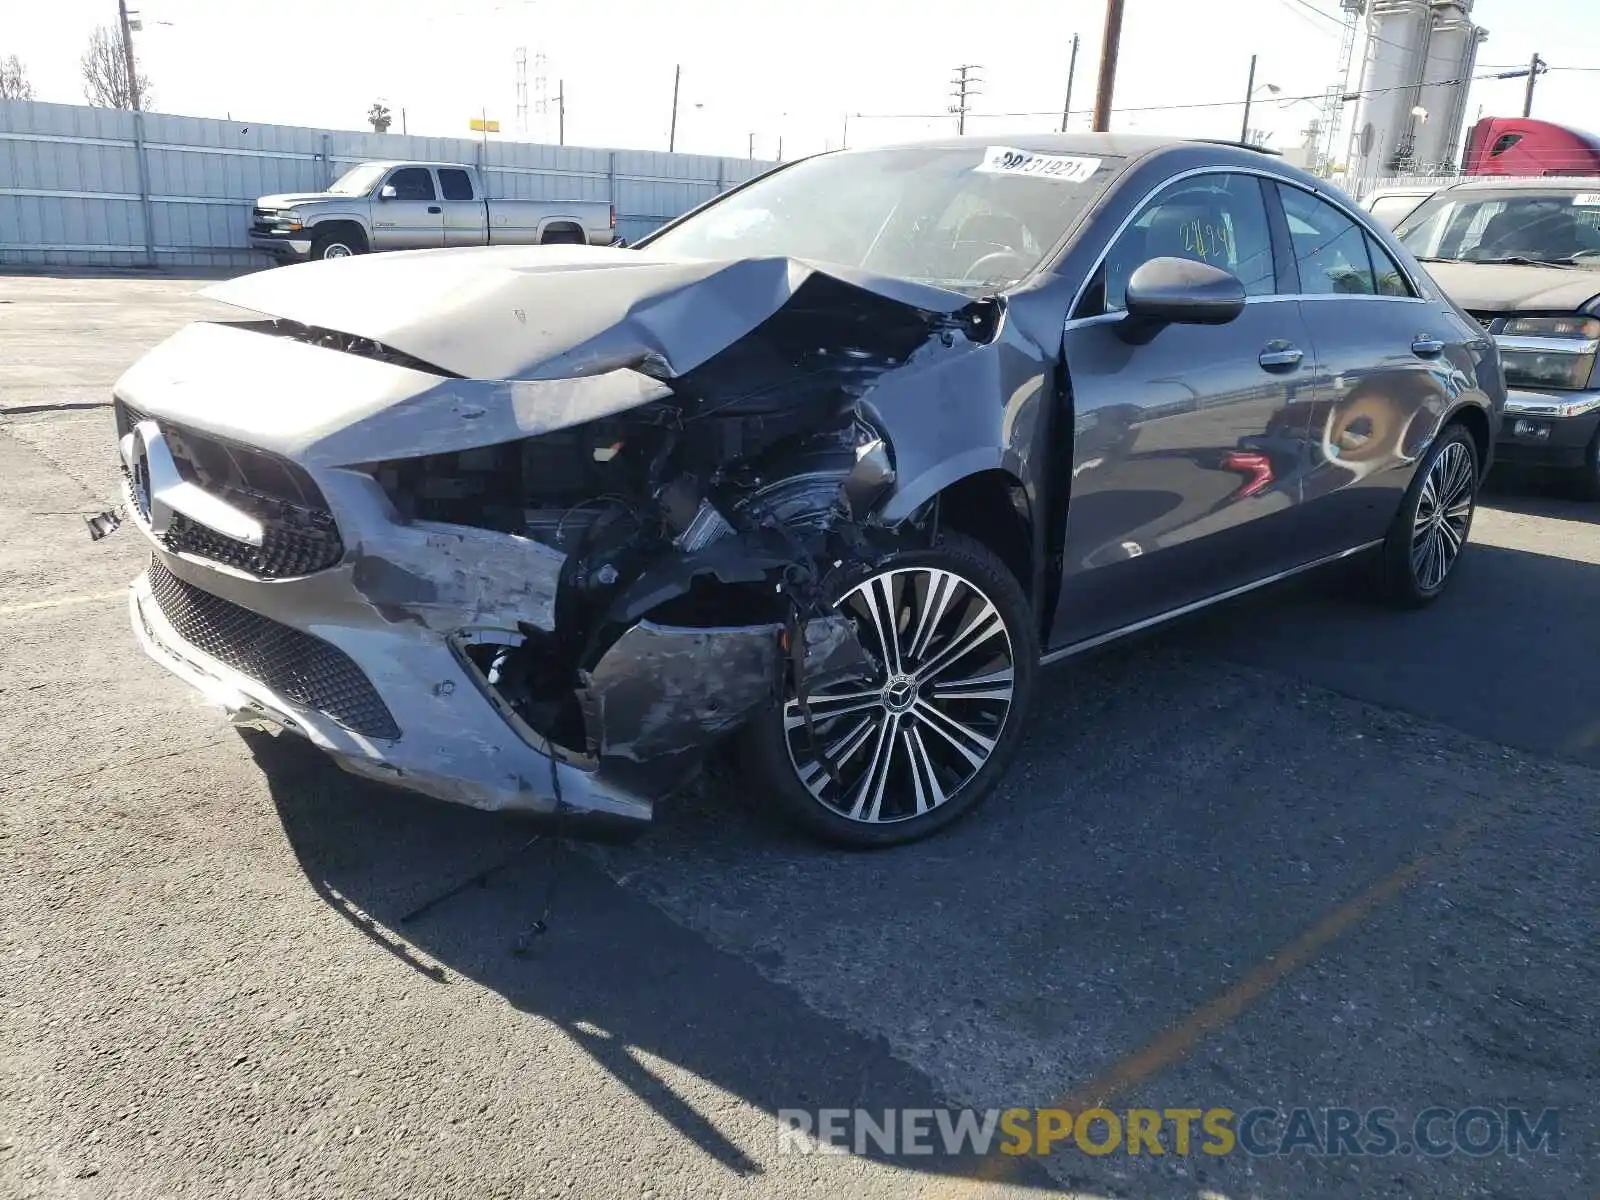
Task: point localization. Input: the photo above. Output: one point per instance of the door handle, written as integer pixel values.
(434, 208)
(1280, 355)
(1424, 346)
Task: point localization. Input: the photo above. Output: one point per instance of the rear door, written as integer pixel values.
(1188, 451)
(1388, 365)
(413, 219)
(465, 222)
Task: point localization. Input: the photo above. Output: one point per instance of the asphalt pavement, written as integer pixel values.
(1299, 852)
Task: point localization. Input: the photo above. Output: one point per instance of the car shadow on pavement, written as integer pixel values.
(622, 980)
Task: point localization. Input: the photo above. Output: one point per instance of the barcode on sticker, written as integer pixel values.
(1587, 200)
(1065, 168)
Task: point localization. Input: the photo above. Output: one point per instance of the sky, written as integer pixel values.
(810, 73)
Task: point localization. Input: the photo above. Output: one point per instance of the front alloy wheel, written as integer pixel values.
(924, 734)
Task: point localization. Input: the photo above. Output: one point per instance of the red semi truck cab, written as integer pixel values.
(1522, 146)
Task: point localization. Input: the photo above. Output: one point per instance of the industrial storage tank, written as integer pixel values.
(1416, 71)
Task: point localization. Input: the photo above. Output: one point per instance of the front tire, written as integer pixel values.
(1430, 530)
(1589, 478)
(336, 245)
(929, 731)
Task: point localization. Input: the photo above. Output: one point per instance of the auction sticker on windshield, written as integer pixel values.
(1586, 200)
(1067, 168)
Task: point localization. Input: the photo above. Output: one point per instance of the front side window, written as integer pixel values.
(1329, 248)
(1217, 219)
(412, 183)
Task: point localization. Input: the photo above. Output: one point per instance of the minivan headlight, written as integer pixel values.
(1549, 352)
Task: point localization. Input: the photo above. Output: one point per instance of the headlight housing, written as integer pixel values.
(287, 220)
(1549, 352)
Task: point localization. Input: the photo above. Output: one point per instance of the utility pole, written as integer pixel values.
(1109, 44)
(1249, 91)
(402, 119)
(844, 141)
(1538, 64)
(561, 112)
(1072, 69)
(780, 147)
(752, 154)
(672, 135)
(964, 87)
(127, 55)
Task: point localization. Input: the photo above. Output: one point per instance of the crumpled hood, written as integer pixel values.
(1508, 287)
(290, 199)
(550, 312)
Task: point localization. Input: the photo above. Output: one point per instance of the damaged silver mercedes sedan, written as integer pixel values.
(834, 462)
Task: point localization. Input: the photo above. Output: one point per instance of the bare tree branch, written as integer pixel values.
(105, 72)
(14, 83)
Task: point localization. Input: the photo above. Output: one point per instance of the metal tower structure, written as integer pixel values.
(1333, 99)
(521, 59)
(962, 88)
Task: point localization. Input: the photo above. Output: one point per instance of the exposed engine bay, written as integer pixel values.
(725, 504)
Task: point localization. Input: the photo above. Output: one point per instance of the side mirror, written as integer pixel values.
(1178, 291)
(387, 192)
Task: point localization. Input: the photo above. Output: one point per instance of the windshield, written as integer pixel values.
(1522, 226)
(973, 218)
(358, 181)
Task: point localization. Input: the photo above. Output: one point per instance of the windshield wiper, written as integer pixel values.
(1522, 260)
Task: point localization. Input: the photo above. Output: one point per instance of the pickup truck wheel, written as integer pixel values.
(336, 245)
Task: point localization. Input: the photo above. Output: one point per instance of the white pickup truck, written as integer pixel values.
(415, 205)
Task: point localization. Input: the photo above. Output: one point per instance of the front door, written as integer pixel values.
(413, 219)
(1188, 451)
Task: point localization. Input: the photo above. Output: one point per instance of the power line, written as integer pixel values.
(1280, 100)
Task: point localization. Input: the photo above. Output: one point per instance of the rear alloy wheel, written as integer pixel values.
(926, 734)
(1431, 529)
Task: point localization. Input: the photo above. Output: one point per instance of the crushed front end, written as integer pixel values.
(541, 595)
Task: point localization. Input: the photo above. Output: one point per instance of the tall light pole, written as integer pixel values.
(127, 55)
(1072, 69)
(1109, 45)
(1534, 67)
(672, 133)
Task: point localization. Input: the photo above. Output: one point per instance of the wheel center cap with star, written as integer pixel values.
(899, 694)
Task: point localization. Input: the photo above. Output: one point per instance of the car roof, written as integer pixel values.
(1480, 183)
(1126, 145)
(412, 162)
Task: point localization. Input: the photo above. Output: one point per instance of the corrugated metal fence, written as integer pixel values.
(101, 187)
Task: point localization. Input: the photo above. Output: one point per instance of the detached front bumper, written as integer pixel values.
(285, 249)
(1548, 429)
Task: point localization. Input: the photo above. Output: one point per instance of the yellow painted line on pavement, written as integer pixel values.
(1227, 1006)
(9, 610)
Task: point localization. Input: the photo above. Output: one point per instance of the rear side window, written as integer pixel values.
(1390, 278)
(1329, 248)
(412, 183)
(455, 183)
(1217, 219)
